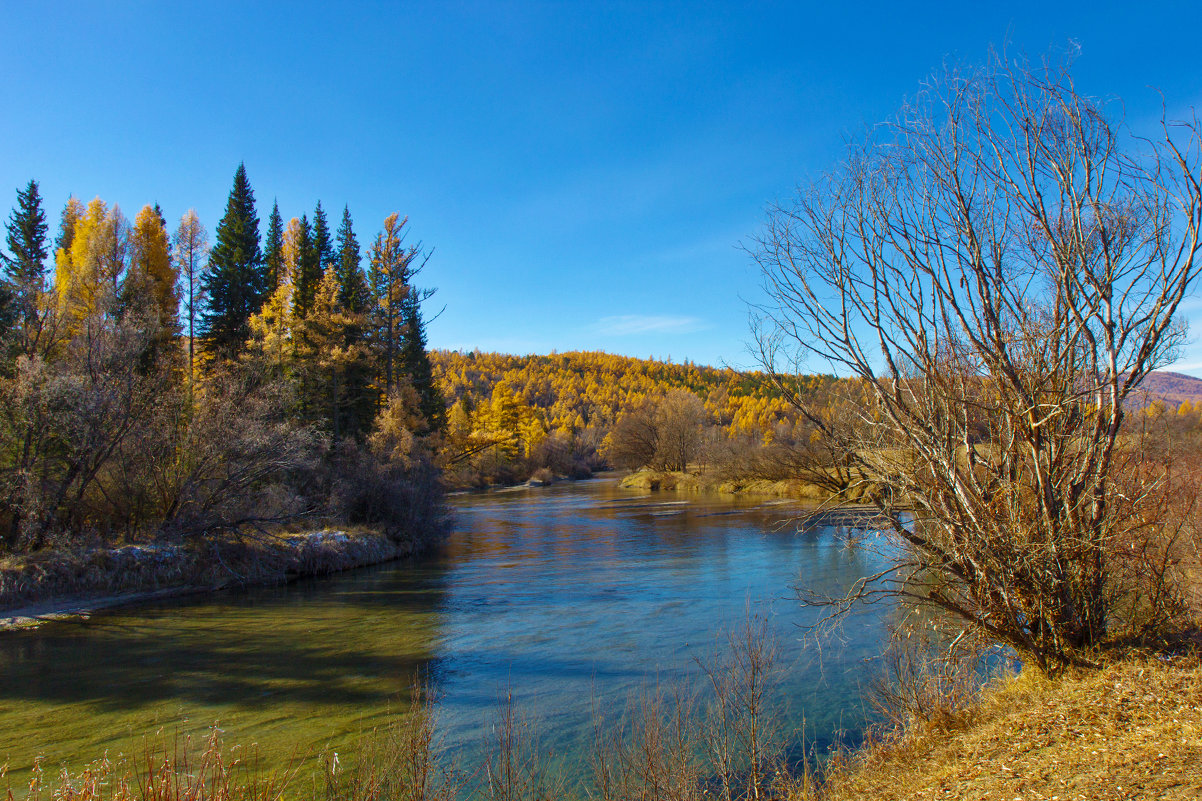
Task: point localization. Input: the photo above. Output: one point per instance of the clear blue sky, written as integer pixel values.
(584, 172)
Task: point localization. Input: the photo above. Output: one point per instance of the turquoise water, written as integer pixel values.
(571, 598)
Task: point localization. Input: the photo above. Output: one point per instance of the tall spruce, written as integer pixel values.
(415, 361)
(323, 243)
(308, 271)
(354, 295)
(355, 300)
(236, 284)
(25, 266)
(273, 247)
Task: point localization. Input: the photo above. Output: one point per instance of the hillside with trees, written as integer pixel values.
(511, 416)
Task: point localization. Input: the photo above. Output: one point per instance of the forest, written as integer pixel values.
(156, 388)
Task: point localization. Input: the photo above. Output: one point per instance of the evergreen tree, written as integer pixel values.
(354, 295)
(72, 213)
(308, 272)
(162, 221)
(24, 266)
(415, 362)
(236, 284)
(390, 273)
(272, 254)
(323, 246)
(354, 298)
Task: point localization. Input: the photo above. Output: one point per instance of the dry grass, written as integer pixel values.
(1131, 731)
(166, 771)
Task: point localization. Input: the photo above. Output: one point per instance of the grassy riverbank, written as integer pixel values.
(54, 584)
(798, 488)
(1130, 731)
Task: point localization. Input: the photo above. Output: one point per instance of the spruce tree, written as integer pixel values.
(415, 362)
(26, 238)
(236, 284)
(273, 247)
(353, 293)
(322, 243)
(354, 298)
(308, 271)
(24, 266)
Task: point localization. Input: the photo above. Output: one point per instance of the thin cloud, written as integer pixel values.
(631, 324)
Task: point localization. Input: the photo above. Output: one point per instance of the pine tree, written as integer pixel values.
(354, 298)
(324, 360)
(323, 246)
(353, 293)
(308, 272)
(272, 245)
(237, 281)
(72, 213)
(415, 362)
(25, 264)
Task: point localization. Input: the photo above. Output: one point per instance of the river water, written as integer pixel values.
(571, 598)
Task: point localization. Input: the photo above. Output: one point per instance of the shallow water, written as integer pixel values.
(571, 597)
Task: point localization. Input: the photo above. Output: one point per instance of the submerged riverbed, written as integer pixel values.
(571, 597)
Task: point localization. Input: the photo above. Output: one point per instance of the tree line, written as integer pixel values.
(153, 385)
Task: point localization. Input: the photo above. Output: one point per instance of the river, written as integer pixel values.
(570, 597)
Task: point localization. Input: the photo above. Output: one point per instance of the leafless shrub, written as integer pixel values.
(516, 768)
(405, 761)
(653, 753)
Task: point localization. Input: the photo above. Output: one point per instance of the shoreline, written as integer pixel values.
(47, 596)
(792, 488)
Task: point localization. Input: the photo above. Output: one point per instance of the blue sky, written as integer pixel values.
(583, 172)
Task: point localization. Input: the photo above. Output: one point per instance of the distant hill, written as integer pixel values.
(1172, 388)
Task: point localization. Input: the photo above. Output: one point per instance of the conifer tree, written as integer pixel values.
(390, 263)
(354, 298)
(324, 359)
(353, 293)
(191, 251)
(158, 210)
(236, 284)
(272, 245)
(25, 264)
(308, 271)
(323, 244)
(415, 362)
(89, 274)
(151, 282)
(72, 213)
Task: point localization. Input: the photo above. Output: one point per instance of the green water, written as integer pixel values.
(571, 597)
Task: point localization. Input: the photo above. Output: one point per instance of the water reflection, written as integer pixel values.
(572, 597)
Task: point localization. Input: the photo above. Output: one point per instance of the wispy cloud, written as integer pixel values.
(630, 324)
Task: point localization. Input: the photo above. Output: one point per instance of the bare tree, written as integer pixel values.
(666, 433)
(191, 255)
(996, 271)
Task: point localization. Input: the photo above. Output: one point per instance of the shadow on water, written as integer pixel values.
(569, 596)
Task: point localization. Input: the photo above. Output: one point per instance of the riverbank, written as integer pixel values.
(796, 488)
(61, 584)
(1130, 731)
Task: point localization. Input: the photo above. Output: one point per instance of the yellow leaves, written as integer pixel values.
(150, 265)
(86, 274)
(392, 436)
